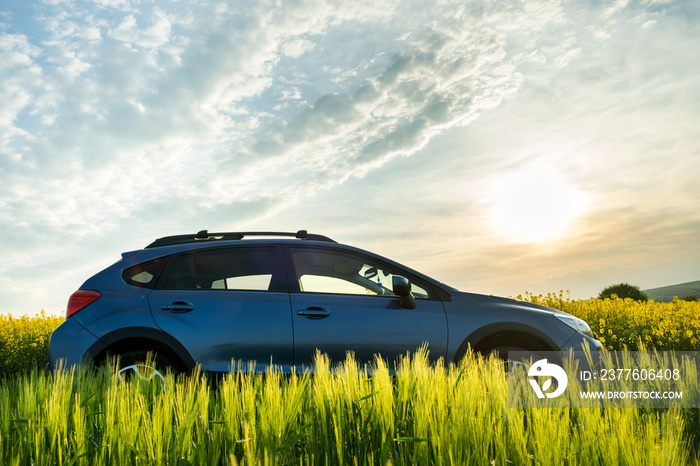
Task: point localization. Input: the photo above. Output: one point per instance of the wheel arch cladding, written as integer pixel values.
(490, 336)
(146, 339)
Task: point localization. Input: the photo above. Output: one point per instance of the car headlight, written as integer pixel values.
(575, 323)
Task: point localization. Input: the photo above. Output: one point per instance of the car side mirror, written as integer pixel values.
(401, 287)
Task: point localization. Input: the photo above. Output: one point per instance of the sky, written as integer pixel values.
(499, 146)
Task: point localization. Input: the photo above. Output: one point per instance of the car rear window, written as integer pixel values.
(144, 274)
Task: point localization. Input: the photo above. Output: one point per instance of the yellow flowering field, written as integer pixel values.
(620, 323)
(24, 341)
(617, 323)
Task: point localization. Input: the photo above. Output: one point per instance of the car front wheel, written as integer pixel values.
(501, 352)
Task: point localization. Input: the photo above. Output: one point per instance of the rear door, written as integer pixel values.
(344, 302)
(227, 304)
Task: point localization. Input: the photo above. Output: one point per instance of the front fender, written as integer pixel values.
(474, 339)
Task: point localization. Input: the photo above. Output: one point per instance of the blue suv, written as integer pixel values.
(276, 298)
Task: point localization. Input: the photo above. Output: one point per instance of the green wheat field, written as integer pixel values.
(411, 413)
(342, 414)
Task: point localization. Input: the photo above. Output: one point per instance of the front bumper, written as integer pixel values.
(579, 342)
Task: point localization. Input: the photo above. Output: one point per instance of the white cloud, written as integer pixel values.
(125, 87)
(117, 115)
(19, 71)
(297, 47)
(154, 34)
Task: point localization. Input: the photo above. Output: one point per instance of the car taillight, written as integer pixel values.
(80, 299)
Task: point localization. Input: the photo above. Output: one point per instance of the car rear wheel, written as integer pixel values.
(145, 367)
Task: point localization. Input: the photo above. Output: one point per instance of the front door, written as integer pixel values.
(345, 304)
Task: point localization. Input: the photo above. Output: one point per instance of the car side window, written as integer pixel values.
(240, 268)
(328, 271)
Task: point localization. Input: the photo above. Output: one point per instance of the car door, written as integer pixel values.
(344, 302)
(227, 304)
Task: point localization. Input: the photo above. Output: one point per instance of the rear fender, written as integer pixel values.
(140, 338)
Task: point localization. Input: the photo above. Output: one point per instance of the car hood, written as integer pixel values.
(486, 302)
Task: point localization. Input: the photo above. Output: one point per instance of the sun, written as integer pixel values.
(535, 205)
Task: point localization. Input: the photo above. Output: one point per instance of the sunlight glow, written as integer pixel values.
(535, 205)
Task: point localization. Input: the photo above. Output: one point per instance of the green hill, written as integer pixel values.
(665, 294)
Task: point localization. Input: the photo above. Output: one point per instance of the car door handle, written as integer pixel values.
(314, 312)
(179, 307)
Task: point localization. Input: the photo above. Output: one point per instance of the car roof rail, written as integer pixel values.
(205, 235)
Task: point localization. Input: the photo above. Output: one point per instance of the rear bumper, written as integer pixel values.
(71, 343)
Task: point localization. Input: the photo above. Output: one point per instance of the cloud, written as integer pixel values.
(131, 85)
(122, 116)
(128, 106)
(152, 35)
(448, 75)
(109, 113)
